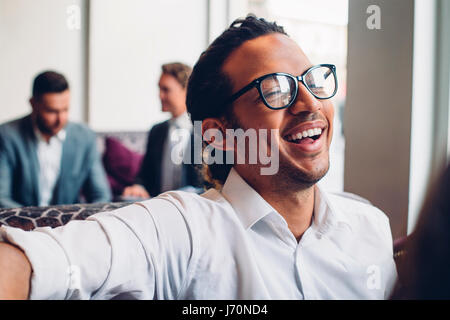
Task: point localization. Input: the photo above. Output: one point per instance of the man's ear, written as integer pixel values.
(33, 103)
(214, 133)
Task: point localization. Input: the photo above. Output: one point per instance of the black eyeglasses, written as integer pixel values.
(279, 90)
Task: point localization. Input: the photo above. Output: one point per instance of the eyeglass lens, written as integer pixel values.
(321, 82)
(279, 90)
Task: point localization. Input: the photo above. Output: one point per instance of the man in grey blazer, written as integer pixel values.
(44, 158)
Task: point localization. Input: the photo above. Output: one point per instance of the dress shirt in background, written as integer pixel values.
(171, 172)
(49, 156)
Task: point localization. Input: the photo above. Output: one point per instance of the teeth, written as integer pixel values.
(306, 133)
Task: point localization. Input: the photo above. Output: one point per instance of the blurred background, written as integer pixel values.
(391, 121)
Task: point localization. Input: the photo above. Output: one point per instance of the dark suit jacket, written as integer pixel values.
(81, 169)
(150, 172)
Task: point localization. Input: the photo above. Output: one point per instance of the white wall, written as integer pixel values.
(129, 40)
(34, 37)
(113, 65)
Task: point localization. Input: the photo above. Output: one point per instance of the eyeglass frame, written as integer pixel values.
(257, 83)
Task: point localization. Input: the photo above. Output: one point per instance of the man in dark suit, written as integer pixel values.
(46, 160)
(159, 172)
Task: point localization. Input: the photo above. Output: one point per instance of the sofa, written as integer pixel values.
(121, 154)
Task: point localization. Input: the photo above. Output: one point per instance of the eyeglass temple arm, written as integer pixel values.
(242, 91)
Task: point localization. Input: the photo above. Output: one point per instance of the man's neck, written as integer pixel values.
(46, 137)
(178, 114)
(40, 134)
(296, 207)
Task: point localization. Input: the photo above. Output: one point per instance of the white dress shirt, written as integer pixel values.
(49, 157)
(177, 137)
(219, 245)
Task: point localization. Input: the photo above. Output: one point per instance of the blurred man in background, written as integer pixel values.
(159, 173)
(44, 158)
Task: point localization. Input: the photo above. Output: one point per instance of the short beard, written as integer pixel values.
(42, 127)
(295, 179)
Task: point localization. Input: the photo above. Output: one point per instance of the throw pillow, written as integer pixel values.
(121, 165)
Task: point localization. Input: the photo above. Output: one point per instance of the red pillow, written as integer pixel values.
(121, 165)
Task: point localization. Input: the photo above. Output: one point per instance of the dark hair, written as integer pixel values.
(49, 82)
(179, 71)
(209, 87)
(424, 270)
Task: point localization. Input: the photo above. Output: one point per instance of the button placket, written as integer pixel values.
(308, 238)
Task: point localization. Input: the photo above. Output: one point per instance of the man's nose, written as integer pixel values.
(61, 117)
(58, 119)
(305, 101)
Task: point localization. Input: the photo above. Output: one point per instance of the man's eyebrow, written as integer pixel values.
(51, 109)
(307, 68)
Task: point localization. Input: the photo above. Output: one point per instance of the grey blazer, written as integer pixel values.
(81, 169)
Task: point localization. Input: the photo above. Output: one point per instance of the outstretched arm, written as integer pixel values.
(138, 251)
(15, 273)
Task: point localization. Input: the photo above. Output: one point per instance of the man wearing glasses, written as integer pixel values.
(254, 236)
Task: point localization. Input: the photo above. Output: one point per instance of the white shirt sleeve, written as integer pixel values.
(126, 253)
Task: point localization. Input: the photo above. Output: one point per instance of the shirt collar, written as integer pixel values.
(251, 207)
(61, 135)
(326, 213)
(248, 204)
(182, 121)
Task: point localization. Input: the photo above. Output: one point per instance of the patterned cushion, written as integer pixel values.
(28, 218)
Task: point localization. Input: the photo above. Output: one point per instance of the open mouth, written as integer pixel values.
(305, 137)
